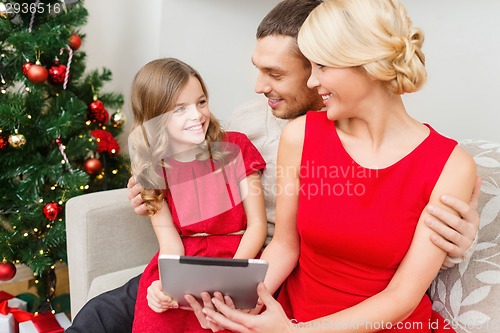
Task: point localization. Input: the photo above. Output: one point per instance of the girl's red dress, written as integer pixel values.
(218, 243)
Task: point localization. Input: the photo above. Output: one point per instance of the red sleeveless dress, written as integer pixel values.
(356, 224)
(219, 242)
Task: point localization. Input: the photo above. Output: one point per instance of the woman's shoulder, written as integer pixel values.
(293, 134)
(294, 131)
(295, 126)
(461, 162)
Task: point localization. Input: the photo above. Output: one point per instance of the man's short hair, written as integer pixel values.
(286, 18)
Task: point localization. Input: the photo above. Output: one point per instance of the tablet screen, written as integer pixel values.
(237, 278)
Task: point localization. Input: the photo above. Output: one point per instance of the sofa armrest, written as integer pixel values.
(468, 295)
(104, 235)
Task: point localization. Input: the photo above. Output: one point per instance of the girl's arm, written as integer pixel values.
(256, 231)
(166, 233)
(170, 243)
(417, 270)
(282, 253)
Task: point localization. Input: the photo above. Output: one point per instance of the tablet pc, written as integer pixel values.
(237, 278)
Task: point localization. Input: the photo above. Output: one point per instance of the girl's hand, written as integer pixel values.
(273, 319)
(157, 300)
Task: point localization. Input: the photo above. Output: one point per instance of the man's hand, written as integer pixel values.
(157, 300)
(134, 195)
(455, 234)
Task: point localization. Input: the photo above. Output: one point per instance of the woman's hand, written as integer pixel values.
(157, 300)
(207, 303)
(273, 319)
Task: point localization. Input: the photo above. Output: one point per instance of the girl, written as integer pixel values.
(202, 185)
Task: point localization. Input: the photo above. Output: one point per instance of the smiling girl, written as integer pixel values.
(202, 184)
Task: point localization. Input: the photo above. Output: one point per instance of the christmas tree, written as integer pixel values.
(57, 137)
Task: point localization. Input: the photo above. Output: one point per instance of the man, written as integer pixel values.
(282, 78)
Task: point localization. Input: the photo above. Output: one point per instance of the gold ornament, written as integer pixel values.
(17, 140)
(118, 119)
(3, 10)
(6, 13)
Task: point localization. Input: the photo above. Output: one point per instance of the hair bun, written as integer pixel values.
(409, 64)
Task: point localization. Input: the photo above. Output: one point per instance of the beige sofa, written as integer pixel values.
(108, 244)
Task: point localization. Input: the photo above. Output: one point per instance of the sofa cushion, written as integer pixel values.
(468, 295)
(113, 280)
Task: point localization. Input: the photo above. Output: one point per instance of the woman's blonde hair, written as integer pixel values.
(376, 35)
(153, 94)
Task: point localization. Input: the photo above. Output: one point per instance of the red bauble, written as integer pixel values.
(37, 73)
(7, 271)
(3, 142)
(92, 166)
(75, 42)
(57, 73)
(98, 113)
(52, 210)
(96, 106)
(26, 67)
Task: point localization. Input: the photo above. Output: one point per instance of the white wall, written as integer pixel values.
(217, 37)
(462, 47)
(122, 36)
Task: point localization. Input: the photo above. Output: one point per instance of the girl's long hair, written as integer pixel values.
(154, 92)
